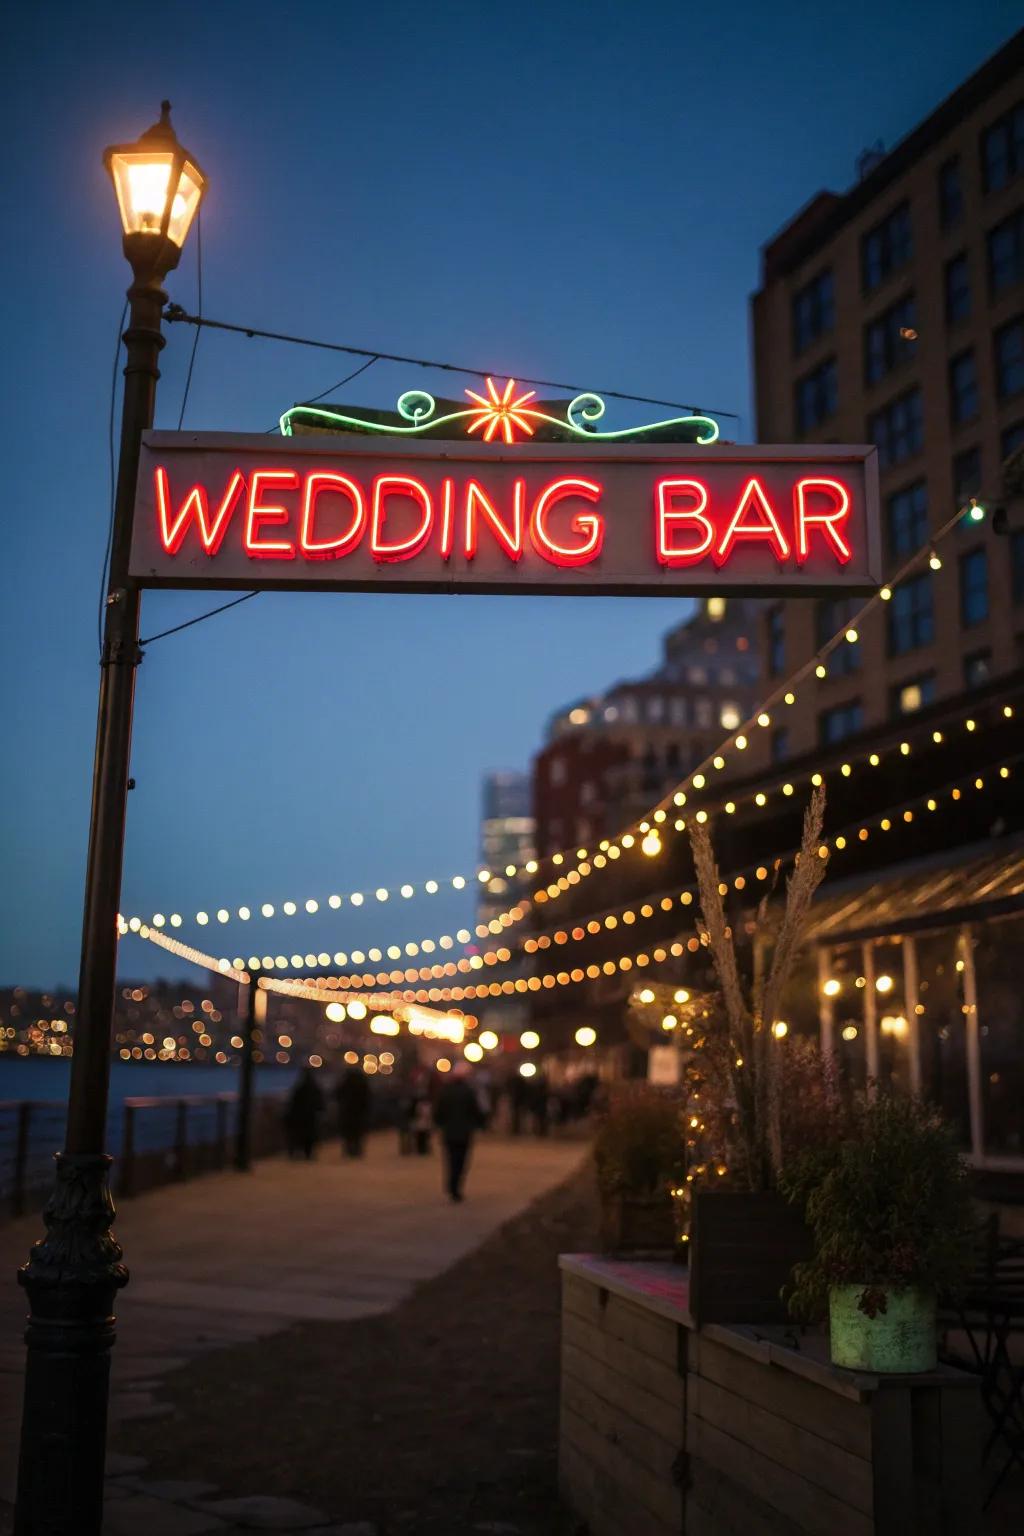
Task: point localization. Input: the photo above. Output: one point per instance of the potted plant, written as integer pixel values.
(769, 1094)
(890, 1211)
(639, 1153)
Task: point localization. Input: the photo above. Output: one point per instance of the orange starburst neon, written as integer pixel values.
(502, 413)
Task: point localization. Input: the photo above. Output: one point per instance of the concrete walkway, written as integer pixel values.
(230, 1258)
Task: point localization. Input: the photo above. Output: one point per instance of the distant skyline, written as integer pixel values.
(577, 192)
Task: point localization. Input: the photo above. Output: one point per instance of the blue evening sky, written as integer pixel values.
(566, 190)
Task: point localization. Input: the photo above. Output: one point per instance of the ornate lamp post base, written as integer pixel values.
(71, 1278)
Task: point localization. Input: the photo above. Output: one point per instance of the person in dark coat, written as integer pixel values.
(457, 1116)
(353, 1097)
(302, 1115)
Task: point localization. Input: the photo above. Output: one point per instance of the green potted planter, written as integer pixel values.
(891, 1216)
(901, 1339)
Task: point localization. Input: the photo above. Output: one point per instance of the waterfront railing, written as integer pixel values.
(159, 1141)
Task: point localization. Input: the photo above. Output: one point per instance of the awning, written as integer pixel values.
(966, 885)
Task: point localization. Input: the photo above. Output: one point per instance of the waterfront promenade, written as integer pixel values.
(230, 1259)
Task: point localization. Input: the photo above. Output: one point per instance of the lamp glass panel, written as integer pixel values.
(184, 204)
(141, 180)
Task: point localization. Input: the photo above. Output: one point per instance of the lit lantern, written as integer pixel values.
(159, 188)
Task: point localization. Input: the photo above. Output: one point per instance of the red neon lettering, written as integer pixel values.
(510, 542)
(399, 485)
(753, 495)
(255, 515)
(590, 524)
(331, 549)
(195, 505)
(839, 511)
(668, 515)
(447, 518)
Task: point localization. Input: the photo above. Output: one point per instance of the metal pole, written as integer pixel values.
(870, 1018)
(243, 1130)
(910, 1004)
(972, 1044)
(73, 1272)
(826, 1011)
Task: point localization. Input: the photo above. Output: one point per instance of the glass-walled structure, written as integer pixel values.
(921, 984)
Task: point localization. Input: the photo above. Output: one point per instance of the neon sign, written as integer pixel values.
(369, 513)
(495, 412)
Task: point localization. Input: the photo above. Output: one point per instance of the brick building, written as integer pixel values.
(894, 314)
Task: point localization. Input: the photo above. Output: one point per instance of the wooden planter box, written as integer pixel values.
(741, 1431)
(637, 1224)
(742, 1252)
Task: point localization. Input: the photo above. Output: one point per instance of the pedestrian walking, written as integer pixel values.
(353, 1098)
(302, 1116)
(457, 1116)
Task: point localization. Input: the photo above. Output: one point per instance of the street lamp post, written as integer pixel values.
(74, 1271)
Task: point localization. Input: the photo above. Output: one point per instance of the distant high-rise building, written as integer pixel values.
(506, 838)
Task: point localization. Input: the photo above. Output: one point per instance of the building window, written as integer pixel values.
(704, 714)
(836, 724)
(557, 771)
(814, 311)
(1010, 439)
(776, 641)
(913, 695)
(911, 617)
(884, 347)
(963, 388)
(951, 194)
(1002, 149)
(887, 247)
(907, 520)
(834, 614)
(1009, 349)
(655, 708)
(977, 669)
(966, 475)
(1006, 253)
(816, 396)
(677, 711)
(780, 745)
(958, 289)
(898, 429)
(973, 588)
(1017, 566)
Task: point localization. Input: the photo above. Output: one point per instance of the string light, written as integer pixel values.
(579, 929)
(641, 960)
(696, 780)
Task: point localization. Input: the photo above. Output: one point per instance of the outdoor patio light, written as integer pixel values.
(159, 188)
